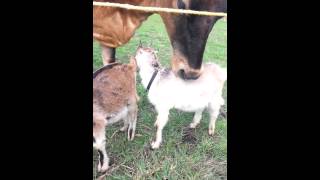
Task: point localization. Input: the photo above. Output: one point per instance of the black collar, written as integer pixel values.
(151, 80)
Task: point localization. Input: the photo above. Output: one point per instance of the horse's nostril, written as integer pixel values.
(189, 75)
(181, 73)
(192, 77)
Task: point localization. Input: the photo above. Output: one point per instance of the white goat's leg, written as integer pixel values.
(214, 112)
(196, 118)
(132, 119)
(162, 120)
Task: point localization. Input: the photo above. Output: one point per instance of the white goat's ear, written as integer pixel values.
(139, 46)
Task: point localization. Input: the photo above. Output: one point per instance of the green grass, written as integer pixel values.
(204, 157)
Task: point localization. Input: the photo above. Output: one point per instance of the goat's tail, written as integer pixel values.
(221, 101)
(222, 73)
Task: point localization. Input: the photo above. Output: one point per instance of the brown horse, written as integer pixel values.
(113, 27)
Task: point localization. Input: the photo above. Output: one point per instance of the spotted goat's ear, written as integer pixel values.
(133, 62)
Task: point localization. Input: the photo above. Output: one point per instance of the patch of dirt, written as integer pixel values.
(147, 151)
(189, 136)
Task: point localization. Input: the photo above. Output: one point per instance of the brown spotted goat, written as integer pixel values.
(114, 98)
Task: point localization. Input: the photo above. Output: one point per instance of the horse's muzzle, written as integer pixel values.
(190, 75)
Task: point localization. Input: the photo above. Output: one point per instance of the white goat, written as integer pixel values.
(168, 91)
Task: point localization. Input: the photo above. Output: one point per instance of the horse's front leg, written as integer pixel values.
(108, 54)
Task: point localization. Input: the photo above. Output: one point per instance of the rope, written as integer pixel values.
(158, 9)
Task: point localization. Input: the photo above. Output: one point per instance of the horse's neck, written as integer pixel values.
(161, 3)
(112, 34)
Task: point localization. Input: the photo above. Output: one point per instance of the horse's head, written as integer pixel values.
(189, 33)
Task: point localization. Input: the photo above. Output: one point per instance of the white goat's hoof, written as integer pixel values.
(211, 132)
(193, 125)
(156, 124)
(155, 145)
